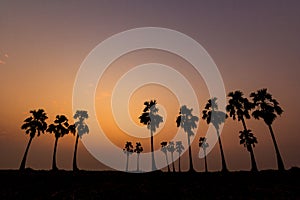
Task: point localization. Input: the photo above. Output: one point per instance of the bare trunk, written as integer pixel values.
(205, 161)
(172, 162)
(167, 162)
(224, 166)
(190, 156)
(279, 159)
(75, 168)
(23, 163)
(138, 163)
(253, 162)
(127, 160)
(54, 167)
(179, 169)
(152, 152)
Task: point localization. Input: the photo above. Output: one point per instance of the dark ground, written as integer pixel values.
(32, 184)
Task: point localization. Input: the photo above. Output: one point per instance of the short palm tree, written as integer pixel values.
(179, 148)
(82, 128)
(128, 150)
(203, 144)
(187, 121)
(267, 108)
(60, 127)
(165, 151)
(239, 107)
(212, 115)
(249, 140)
(36, 123)
(151, 118)
(138, 149)
(171, 149)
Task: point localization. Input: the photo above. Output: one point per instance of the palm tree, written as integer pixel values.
(138, 149)
(212, 115)
(171, 149)
(203, 144)
(128, 150)
(187, 121)
(60, 127)
(33, 124)
(248, 140)
(240, 107)
(150, 118)
(267, 108)
(179, 148)
(82, 128)
(165, 151)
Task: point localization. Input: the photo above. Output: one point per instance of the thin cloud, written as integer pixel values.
(6, 55)
(2, 62)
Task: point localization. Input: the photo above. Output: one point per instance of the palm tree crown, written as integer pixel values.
(239, 106)
(35, 123)
(247, 138)
(267, 107)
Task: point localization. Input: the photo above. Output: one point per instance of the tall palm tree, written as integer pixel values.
(239, 107)
(249, 140)
(267, 108)
(151, 118)
(187, 121)
(128, 150)
(179, 148)
(138, 149)
(36, 123)
(171, 149)
(165, 151)
(60, 127)
(212, 115)
(82, 128)
(203, 144)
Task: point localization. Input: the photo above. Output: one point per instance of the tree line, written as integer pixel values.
(262, 105)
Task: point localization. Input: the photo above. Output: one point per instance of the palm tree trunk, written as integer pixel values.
(172, 162)
(224, 166)
(138, 162)
(279, 159)
(179, 169)
(244, 124)
(127, 160)
(152, 152)
(23, 163)
(253, 162)
(167, 162)
(190, 156)
(54, 167)
(75, 168)
(205, 161)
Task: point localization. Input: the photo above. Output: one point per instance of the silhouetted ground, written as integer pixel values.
(32, 184)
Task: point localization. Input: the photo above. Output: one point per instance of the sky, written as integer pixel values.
(255, 44)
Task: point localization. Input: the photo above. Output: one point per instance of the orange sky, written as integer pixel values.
(42, 45)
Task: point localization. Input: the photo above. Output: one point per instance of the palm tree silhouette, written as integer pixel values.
(187, 121)
(248, 140)
(165, 151)
(267, 108)
(212, 115)
(179, 148)
(33, 124)
(203, 144)
(60, 127)
(150, 118)
(171, 149)
(240, 107)
(128, 150)
(138, 149)
(82, 128)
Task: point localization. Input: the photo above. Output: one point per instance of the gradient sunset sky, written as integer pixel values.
(255, 45)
